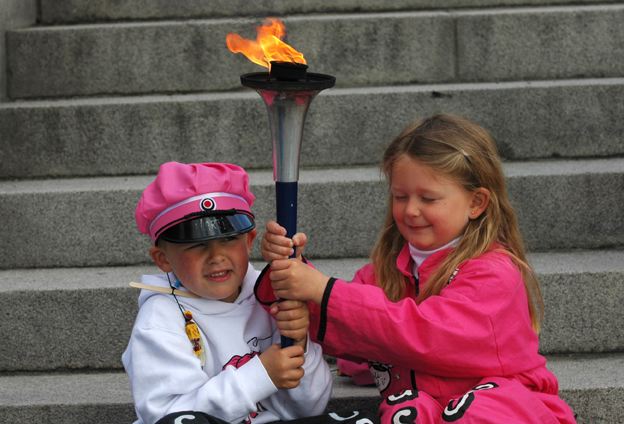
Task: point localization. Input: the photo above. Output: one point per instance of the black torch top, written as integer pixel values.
(288, 76)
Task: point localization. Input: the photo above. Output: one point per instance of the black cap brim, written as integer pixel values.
(209, 227)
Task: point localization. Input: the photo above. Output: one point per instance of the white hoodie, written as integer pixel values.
(166, 376)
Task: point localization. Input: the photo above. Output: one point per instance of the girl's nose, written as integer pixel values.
(413, 207)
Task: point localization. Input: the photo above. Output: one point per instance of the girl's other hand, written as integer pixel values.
(275, 244)
(293, 320)
(292, 279)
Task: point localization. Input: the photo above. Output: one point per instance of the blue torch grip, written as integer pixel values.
(286, 205)
(286, 202)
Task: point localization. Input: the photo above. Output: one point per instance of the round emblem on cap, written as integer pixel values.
(207, 204)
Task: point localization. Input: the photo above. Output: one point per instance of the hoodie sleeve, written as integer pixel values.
(166, 378)
(478, 325)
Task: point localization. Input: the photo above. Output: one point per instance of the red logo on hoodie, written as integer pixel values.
(238, 361)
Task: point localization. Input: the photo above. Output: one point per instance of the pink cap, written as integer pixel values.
(182, 192)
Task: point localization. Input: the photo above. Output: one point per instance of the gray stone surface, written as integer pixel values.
(359, 49)
(190, 56)
(583, 304)
(13, 14)
(591, 385)
(53, 309)
(90, 222)
(134, 135)
(88, 10)
(543, 44)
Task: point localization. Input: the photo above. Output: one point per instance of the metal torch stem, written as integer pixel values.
(287, 92)
(287, 111)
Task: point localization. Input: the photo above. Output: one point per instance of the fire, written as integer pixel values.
(268, 46)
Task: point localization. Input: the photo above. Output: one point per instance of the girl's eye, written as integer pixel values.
(428, 199)
(399, 197)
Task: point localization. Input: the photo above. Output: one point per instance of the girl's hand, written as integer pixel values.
(275, 244)
(284, 366)
(292, 279)
(293, 320)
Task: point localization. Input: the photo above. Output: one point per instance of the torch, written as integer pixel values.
(287, 91)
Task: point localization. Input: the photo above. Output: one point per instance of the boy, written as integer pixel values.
(206, 345)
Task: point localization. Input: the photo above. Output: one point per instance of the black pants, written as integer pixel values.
(193, 417)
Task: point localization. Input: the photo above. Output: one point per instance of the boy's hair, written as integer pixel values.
(466, 153)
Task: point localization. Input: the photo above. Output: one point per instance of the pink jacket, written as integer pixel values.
(478, 326)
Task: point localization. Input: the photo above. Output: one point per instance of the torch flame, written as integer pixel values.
(268, 46)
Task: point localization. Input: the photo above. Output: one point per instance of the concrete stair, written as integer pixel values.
(103, 92)
(362, 49)
(586, 381)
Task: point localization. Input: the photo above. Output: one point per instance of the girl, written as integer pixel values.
(448, 312)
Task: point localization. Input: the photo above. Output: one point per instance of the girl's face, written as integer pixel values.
(214, 269)
(430, 209)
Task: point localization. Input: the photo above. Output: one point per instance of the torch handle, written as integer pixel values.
(286, 206)
(286, 202)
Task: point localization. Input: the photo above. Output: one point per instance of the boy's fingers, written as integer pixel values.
(279, 240)
(293, 352)
(274, 227)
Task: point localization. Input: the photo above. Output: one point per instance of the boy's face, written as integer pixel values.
(214, 269)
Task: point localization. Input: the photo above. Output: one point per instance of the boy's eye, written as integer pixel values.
(231, 238)
(428, 199)
(197, 246)
(399, 196)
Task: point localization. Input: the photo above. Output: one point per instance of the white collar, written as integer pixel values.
(419, 255)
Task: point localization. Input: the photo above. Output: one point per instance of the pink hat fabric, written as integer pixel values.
(180, 190)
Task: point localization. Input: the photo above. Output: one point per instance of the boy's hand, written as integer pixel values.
(284, 366)
(292, 279)
(275, 244)
(293, 320)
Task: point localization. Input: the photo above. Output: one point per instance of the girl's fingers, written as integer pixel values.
(288, 305)
(299, 241)
(279, 265)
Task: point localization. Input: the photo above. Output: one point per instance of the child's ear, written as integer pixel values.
(251, 236)
(160, 259)
(480, 201)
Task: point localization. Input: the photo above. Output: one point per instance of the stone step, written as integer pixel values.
(81, 318)
(359, 49)
(90, 221)
(64, 11)
(593, 385)
(134, 135)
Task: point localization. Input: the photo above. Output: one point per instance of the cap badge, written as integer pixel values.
(207, 204)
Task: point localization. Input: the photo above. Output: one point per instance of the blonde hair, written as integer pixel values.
(466, 153)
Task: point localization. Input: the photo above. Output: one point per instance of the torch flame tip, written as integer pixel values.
(268, 46)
